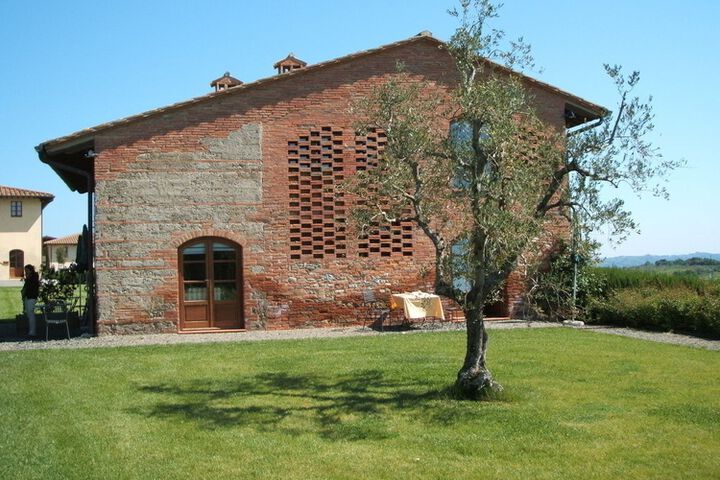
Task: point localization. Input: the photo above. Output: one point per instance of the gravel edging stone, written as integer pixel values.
(310, 333)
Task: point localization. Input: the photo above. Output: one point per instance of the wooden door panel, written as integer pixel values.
(226, 315)
(17, 261)
(196, 316)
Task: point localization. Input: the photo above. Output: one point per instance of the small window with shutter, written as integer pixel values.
(16, 208)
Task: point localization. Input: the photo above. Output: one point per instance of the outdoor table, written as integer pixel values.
(418, 305)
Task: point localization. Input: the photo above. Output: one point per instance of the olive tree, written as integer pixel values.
(481, 175)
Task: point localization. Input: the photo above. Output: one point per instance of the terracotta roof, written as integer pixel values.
(8, 192)
(421, 37)
(66, 240)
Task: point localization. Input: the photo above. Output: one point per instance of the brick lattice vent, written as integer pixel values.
(381, 239)
(317, 210)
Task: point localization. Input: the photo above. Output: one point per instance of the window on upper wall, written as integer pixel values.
(459, 253)
(16, 208)
(461, 139)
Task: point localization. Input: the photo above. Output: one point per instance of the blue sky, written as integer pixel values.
(70, 65)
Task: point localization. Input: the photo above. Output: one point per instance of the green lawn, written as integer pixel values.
(10, 303)
(577, 405)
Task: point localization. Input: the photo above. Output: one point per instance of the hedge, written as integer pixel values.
(679, 308)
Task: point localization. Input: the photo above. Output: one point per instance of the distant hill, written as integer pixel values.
(634, 261)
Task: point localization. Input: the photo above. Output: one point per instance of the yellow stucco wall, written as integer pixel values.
(21, 233)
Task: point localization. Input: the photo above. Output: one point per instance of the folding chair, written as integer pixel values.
(375, 311)
(56, 313)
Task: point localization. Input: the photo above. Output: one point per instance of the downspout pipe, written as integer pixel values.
(44, 157)
(569, 133)
(584, 128)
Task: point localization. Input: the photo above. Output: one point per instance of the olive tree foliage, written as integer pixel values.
(614, 151)
(481, 175)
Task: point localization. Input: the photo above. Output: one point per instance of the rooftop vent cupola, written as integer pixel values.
(288, 64)
(225, 82)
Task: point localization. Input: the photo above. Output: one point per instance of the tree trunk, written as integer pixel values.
(474, 379)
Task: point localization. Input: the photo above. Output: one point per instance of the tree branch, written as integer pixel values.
(617, 120)
(553, 187)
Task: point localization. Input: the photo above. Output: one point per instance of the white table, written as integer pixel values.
(418, 305)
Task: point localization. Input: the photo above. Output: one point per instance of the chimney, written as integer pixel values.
(225, 82)
(288, 64)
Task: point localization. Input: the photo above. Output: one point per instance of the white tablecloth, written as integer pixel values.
(418, 305)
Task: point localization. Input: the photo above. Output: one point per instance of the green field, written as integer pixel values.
(577, 405)
(697, 267)
(701, 271)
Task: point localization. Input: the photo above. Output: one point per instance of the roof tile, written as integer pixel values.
(21, 192)
(66, 240)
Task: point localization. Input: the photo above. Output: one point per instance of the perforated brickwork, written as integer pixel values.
(381, 239)
(317, 211)
(368, 148)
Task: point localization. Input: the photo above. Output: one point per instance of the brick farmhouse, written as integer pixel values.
(222, 212)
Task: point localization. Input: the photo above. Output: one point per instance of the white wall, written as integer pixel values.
(69, 257)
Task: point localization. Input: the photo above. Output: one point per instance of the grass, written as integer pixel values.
(577, 405)
(10, 303)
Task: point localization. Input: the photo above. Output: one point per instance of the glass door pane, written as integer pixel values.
(224, 271)
(224, 291)
(223, 252)
(194, 271)
(194, 253)
(195, 292)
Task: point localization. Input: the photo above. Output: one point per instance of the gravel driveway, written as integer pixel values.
(174, 338)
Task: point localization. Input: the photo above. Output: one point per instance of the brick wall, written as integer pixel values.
(222, 168)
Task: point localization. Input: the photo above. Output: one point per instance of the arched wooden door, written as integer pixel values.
(17, 260)
(211, 294)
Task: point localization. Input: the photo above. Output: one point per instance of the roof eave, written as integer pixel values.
(70, 163)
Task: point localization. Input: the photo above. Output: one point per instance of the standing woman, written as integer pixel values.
(30, 294)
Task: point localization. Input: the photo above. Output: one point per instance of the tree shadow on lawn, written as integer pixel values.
(355, 407)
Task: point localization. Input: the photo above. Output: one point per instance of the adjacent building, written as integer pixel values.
(60, 252)
(20, 229)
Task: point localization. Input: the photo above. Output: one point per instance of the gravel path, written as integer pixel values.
(673, 338)
(174, 338)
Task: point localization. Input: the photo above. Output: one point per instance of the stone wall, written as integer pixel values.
(160, 196)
